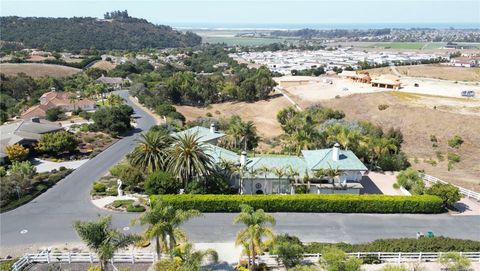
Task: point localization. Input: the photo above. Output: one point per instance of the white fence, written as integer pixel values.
(467, 193)
(384, 257)
(80, 257)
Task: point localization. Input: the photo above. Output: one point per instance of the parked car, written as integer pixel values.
(468, 93)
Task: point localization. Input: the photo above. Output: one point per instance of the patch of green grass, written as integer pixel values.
(7, 264)
(399, 45)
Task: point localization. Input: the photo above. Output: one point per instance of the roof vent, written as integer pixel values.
(35, 119)
(212, 128)
(336, 152)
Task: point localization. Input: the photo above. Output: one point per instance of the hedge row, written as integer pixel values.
(435, 244)
(340, 203)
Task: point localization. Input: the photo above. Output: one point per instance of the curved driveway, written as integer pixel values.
(48, 219)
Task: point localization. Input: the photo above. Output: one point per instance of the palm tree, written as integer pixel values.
(188, 158)
(192, 259)
(291, 174)
(331, 173)
(252, 173)
(279, 172)
(164, 225)
(102, 239)
(150, 153)
(256, 229)
(114, 100)
(248, 132)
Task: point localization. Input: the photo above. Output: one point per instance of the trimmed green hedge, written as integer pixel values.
(340, 203)
(435, 244)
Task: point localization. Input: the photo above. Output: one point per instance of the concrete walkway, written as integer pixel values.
(384, 182)
(47, 166)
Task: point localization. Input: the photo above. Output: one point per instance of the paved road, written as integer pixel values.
(48, 219)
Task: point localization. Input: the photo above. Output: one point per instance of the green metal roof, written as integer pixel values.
(219, 154)
(318, 159)
(203, 133)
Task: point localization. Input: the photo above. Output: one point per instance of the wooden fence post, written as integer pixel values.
(48, 256)
(133, 258)
(69, 257)
(420, 257)
(91, 257)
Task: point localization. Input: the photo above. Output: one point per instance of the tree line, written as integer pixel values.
(84, 32)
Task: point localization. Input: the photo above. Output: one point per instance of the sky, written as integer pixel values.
(260, 12)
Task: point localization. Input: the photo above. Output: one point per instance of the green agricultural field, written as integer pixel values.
(399, 45)
(242, 41)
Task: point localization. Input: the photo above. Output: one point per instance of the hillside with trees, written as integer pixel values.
(117, 31)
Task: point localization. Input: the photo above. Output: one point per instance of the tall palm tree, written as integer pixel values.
(150, 153)
(279, 172)
(252, 173)
(291, 173)
(248, 132)
(102, 239)
(188, 158)
(164, 225)
(240, 134)
(256, 229)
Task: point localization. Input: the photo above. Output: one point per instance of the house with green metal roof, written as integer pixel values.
(281, 174)
(205, 135)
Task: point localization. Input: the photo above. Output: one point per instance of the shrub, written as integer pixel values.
(390, 267)
(165, 109)
(410, 179)
(57, 142)
(99, 187)
(434, 244)
(455, 142)
(160, 182)
(16, 152)
(25, 169)
(129, 175)
(308, 203)
(334, 259)
(448, 193)
(453, 261)
(53, 114)
(289, 250)
(114, 120)
(453, 157)
(383, 106)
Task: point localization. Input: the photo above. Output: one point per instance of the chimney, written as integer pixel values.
(336, 152)
(212, 128)
(53, 89)
(243, 158)
(35, 119)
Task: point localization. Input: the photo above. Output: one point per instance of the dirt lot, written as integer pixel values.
(435, 71)
(37, 70)
(262, 113)
(104, 65)
(316, 90)
(417, 122)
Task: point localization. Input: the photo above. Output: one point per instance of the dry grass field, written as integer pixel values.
(104, 65)
(417, 123)
(434, 71)
(262, 113)
(37, 70)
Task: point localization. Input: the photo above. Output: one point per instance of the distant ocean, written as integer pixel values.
(252, 26)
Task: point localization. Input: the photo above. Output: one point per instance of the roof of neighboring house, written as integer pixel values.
(110, 80)
(203, 133)
(54, 99)
(15, 132)
(388, 79)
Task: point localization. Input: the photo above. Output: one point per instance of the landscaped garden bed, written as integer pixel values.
(14, 195)
(126, 205)
(307, 203)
